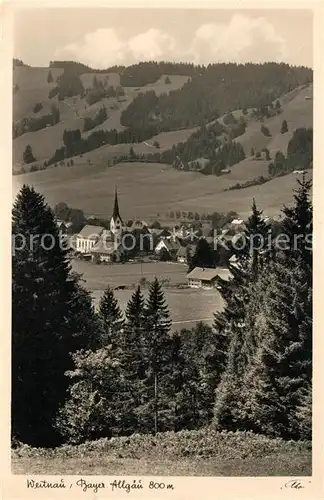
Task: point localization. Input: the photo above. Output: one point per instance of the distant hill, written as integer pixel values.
(174, 114)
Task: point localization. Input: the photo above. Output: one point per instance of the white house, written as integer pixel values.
(88, 237)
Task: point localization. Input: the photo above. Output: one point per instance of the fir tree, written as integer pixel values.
(156, 349)
(203, 256)
(111, 320)
(281, 372)
(298, 225)
(28, 156)
(42, 330)
(49, 77)
(284, 127)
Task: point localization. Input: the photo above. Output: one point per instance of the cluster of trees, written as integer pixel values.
(267, 110)
(63, 212)
(265, 330)
(144, 73)
(252, 182)
(16, 63)
(204, 144)
(78, 374)
(99, 138)
(35, 124)
(299, 154)
(69, 84)
(100, 117)
(100, 90)
(213, 91)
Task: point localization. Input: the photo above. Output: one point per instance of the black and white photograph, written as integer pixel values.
(161, 246)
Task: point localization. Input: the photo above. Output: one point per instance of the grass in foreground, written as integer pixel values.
(203, 452)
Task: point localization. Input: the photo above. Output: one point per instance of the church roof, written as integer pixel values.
(116, 214)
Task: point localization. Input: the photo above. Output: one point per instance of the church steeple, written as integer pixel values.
(116, 222)
(116, 214)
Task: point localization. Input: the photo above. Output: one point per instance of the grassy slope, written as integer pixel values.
(154, 188)
(33, 88)
(194, 453)
(148, 189)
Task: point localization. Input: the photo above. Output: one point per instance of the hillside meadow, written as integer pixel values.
(145, 189)
(34, 88)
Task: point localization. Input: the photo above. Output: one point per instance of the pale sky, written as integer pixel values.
(104, 37)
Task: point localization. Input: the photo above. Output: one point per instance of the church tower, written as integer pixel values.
(116, 222)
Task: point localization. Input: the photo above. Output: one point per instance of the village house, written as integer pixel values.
(171, 246)
(107, 252)
(206, 278)
(184, 252)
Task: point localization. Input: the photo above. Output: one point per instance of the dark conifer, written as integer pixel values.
(42, 335)
(111, 320)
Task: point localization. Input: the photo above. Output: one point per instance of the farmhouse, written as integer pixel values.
(184, 252)
(169, 246)
(201, 277)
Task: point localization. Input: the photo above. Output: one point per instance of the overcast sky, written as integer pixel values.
(104, 37)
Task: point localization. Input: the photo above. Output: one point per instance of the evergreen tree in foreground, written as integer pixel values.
(281, 373)
(42, 330)
(111, 320)
(157, 355)
(236, 291)
(266, 383)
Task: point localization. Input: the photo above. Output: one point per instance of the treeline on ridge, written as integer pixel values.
(213, 92)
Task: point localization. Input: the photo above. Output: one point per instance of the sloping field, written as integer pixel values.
(146, 189)
(297, 111)
(33, 88)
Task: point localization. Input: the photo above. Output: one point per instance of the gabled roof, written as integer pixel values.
(208, 274)
(171, 245)
(90, 232)
(205, 274)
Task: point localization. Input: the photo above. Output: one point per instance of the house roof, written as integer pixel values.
(171, 245)
(205, 274)
(90, 232)
(208, 274)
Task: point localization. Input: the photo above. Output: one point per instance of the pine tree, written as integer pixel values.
(28, 156)
(251, 258)
(49, 77)
(203, 256)
(111, 320)
(157, 352)
(42, 330)
(132, 362)
(284, 127)
(298, 225)
(281, 372)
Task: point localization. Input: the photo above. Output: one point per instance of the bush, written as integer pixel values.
(265, 131)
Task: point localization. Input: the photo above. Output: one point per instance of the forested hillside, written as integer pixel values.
(217, 90)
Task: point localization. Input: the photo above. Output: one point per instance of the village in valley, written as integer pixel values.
(161, 250)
